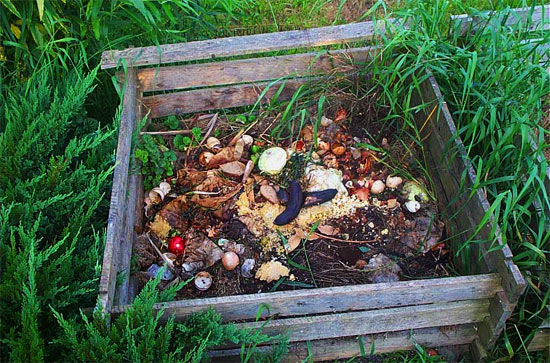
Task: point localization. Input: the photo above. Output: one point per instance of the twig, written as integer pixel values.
(166, 260)
(346, 240)
(210, 126)
(166, 133)
(198, 192)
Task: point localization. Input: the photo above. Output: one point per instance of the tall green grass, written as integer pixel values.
(494, 82)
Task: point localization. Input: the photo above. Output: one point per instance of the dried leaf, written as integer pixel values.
(201, 249)
(239, 149)
(306, 235)
(269, 193)
(234, 168)
(293, 243)
(425, 235)
(172, 212)
(328, 230)
(272, 271)
(340, 115)
(226, 155)
(210, 202)
(191, 177)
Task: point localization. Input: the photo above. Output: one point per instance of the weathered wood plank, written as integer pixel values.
(541, 340)
(242, 45)
(539, 18)
(250, 70)
(334, 349)
(471, 209)
(374, 321)
(134, 203)
(216, 98)
(491, 328)
(118, 195)
(338, 299)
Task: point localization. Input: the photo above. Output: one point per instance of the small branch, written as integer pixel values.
(346, 240)
(166, 133)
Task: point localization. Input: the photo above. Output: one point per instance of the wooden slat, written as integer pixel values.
(249, 44)
(249, 70)
(118, 195)
(374, 321)
(134, 211)
(491, 328)
(337, 299)
(469, 210)
(334, 349)
(540, 19)
(541, 340)
(215, 98)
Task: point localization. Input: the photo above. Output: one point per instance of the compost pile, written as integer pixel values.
(246, 215)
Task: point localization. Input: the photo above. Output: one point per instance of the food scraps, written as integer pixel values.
(272, 271)
(223, 214)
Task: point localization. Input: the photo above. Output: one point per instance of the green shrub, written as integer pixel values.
(138, 334)
(54, 178)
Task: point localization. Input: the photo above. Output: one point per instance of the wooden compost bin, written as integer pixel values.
(465, 311)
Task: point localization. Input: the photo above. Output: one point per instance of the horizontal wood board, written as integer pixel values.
(374, 321)
(249, 70)
(242, 45)
(348, 347)
(539, 17)
(217, 98)
(337, 299)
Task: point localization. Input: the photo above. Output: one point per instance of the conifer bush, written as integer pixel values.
(54, 175)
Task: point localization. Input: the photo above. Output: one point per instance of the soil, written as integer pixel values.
(383, 227)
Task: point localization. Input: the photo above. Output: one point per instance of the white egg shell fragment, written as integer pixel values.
(325, 121)
(213, 144)
(247, 267)
(248, 140)
(393, 182)
(412, 206)
(203, 281)
(377, 187)
(273, 160)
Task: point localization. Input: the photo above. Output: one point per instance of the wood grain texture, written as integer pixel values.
(216, 98)
(337, 299)
(374, 321)
(249, 44)
(334, 349)
(117, 210)
(469, 211)
(249, 70)
(539, 19)
(541, 341)
(490, 329)
(134, 207)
